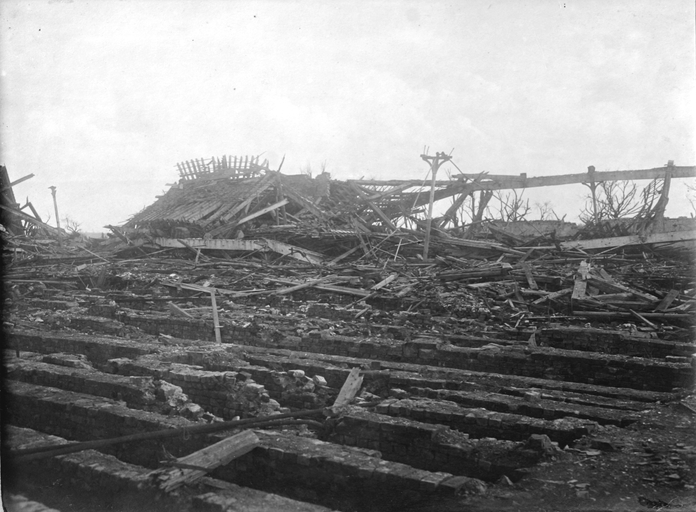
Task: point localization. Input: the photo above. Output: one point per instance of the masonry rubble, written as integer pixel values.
(246, 294)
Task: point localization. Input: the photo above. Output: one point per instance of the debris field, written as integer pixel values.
(260, 341)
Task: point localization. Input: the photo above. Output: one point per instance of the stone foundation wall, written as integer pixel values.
(541, 362)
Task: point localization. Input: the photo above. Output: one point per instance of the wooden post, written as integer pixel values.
(593, 187)
(55, 205)
(216, 321)
(435, 163)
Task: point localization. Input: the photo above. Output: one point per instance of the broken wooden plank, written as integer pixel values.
(349, 389)
(23, 216)
(554, 295)
(205, 460)
(301, 286)
(374, 207)
(329, 288)
(579, 289)
(195, 251)
(607, 286)
(344, 255)
(176, 310)
(216, 319)
(295, 252)
(258, 213)
(16, 182)
(530, 278)
(384, 282)
(669, 298)
(643, 319)
(304, 203)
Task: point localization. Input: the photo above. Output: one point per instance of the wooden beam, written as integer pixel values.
(232, 210)
(17, 182)
(260, 212)
(384, 282)
(329, 288)
(23, 216)
(669, 298)
(374, 207)
(344, 255)
(530, 278)
(304, 203)
(607, 286)
(205, 460)
(386, 193)
(617, 241)
(176, 310)
(301, 286)
(502, 181)
(227, 244)
(553, 295)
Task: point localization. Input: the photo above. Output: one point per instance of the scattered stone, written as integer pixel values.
(603, 444)
(68, 360)
(543, 445)
(320, 381)
(192, 411)
(398, 393)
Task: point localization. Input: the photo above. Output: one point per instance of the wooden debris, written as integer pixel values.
(193, 467)
(349, 389)
(669, 298)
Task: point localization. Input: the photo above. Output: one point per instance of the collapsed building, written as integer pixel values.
(255, 341)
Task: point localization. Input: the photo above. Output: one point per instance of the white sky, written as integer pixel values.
(103, 98)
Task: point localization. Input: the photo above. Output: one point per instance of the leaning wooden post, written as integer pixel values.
(216, 321)
(435, 163)
(664, 196)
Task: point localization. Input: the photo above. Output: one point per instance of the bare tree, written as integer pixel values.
(307, 170)
(620, 199)
(691, 196)
(512, 207)
(545, 210)
(71, 225)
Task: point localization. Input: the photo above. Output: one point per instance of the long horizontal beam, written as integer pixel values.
(227, 244)
(502, 182)
(620, 241)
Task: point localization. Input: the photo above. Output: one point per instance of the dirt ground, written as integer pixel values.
(648, 466)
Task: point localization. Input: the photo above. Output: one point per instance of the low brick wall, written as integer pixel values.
(124, 486)
(325, 471)
(431, 447)
(333, 474)
(97, 349)
(540, 362)
(612, 342)
(530, 405)
(480, 423)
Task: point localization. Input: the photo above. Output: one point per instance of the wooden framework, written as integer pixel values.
(226, 167)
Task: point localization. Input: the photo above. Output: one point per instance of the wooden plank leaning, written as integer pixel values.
(181, 471)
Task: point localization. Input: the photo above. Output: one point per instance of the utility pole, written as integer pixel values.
(435, 163)
(55, 204)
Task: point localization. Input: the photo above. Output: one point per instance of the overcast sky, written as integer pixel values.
(103, 98)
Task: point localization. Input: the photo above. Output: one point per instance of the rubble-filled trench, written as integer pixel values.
(463, 406)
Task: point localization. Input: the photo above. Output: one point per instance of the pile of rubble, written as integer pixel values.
(260, 338)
